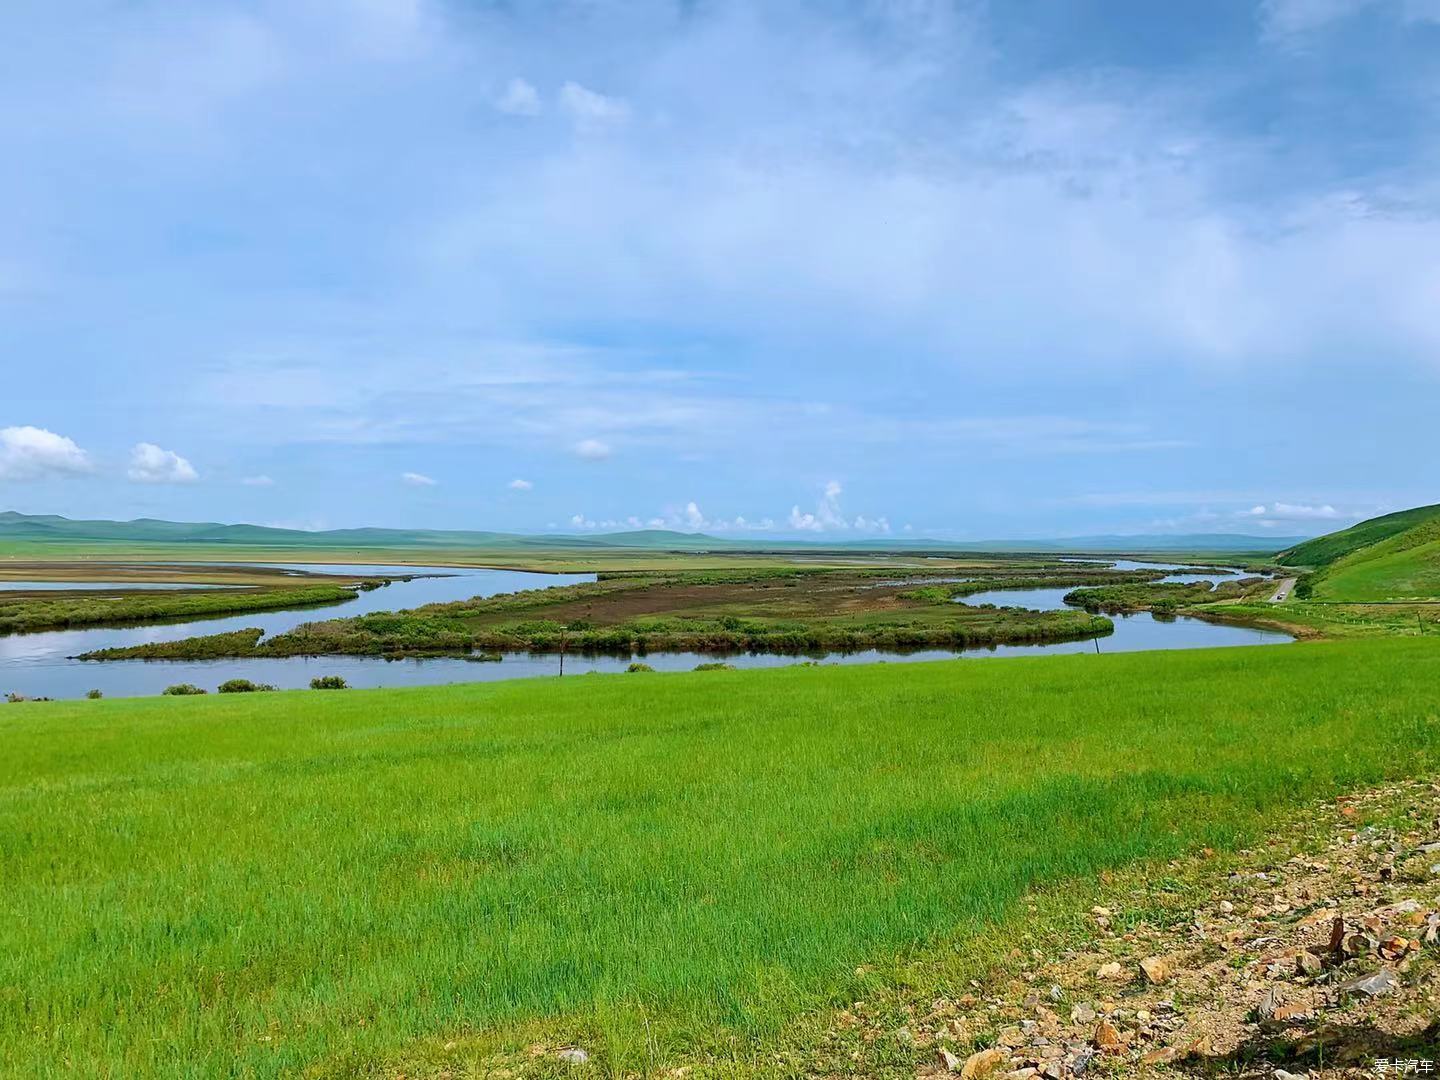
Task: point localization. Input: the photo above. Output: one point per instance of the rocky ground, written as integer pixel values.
(1322, 963)
(1316, 955)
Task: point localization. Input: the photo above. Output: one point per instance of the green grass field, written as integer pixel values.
(266, 884)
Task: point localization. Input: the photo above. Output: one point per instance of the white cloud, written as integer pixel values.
(826, 516)
(151, 464)
(519, 98)
(520, 485)
(1298, 512)
(31, 453)
(592, 449)
(591, 110)
(1283, 18)
(415, 479)
(258, 481)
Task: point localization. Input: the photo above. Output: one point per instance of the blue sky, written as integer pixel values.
(997, 269)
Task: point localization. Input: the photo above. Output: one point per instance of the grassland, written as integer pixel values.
(28, 612)
(652, 865)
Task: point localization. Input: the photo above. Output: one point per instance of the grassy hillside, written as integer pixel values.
(1325, 550)
(641, 863)
(1395, 557)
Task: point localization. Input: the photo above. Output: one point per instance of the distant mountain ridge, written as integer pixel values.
(50, 527)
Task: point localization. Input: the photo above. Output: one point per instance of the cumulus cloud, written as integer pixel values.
(519, 98)
(592, 450)
(591, 110)
(415, 479)
(520, 485)
(826, 515)
(689, 517)
(258, 481)
(151, 464)
(32, 453)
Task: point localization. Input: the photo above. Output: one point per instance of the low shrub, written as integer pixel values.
(243, 686)
(329, 682)
(638, 667)
(183, 689)
(714, 666)
(94, 695)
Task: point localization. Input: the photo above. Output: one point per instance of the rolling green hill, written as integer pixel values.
(1395, 557)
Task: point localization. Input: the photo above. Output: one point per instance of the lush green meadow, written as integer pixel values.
(263, 884)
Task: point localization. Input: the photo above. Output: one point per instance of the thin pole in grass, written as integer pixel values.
(1097, 646)
(564, 632)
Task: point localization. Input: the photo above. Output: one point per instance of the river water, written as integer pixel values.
(41, 664)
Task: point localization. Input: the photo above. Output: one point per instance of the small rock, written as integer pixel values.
(1268, 1004)
(1308, 964)
(1053, 1070)
(1201, 1047)
(1394, 948)
(982, 1063)
(1337, 933)
(948, 1061)
(1157, 970)
(1082, 1014)
(1080, 1060)
(1162, 1055)
(1359, 945)
(574, 1055)
(905, 1037)
(1107, 1038)
(1226, 907)
(1281, 1074)
(1382, 982)
(1111, 970)
(1056, 994)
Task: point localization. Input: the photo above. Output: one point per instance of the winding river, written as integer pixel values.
(41, 664)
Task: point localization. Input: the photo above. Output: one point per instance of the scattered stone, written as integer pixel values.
(1337, 933)
(1082, 1014)
(574, 1055)
(1281, 1074)
(948, 1061)
(1226, 907)
(982, 1064)
(1308, 964)
(1107, 1038)
(1157, 971)
(1394, 948)
(1162, 1055)
(1268, 1004)
(1111, 970)
(1382, 982)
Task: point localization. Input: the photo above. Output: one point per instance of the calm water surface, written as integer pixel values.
(40, 665)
